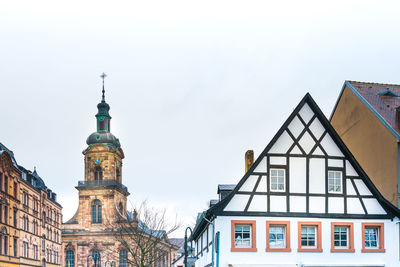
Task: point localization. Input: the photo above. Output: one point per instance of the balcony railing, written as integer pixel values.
(102, 183)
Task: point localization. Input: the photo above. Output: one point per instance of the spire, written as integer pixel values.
(103, 76)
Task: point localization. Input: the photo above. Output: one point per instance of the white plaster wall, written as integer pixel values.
(206, 257)
(389, 258)
(350, 171)
(282, 144)
(317, 128)
(277, 160)
(297, 175)
(306, 142)
(330, 146)
(317, 175)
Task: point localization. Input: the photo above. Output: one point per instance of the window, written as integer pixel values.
(123, 258)
(373, 237)
(5, 245)
(101, 125)
(5, 214)
(277, 180)
(15, 244)
(335, 182)
(43, 219)
(278, 236)
(43, 242)
(98, 173)
(6, 184)
(35, 252)
(25, 249)
(309, 236)
(342, 237)
(1, 181)
(15, 190)
(96, 255)
(243, 236)
(96, 211)
(15, 217)
(35, 204)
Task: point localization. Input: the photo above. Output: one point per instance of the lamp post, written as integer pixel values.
(185, 246)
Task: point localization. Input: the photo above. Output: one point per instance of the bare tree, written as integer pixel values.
(143, 236)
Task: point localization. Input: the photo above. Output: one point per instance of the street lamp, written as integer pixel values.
(185, 247)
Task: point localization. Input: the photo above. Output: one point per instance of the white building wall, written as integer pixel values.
(390, 258)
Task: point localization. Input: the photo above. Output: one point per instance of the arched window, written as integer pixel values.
(96, 211)
(121, 208)
(118, 174)
(98, 173)
(123, 258)
(96, 258)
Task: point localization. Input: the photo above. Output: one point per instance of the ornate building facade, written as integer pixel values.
(30, 217)
(87, 236)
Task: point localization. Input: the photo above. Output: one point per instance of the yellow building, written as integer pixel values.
(367, 118)
(30, 217)
(9, 208)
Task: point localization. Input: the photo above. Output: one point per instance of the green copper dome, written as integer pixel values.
(103, 118)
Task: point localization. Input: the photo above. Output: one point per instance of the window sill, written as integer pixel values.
(244, 249)
(344, 250)
(278, 249)
(372, 250)
(309, 250)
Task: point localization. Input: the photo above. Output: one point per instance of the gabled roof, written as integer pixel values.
(382, 99)
(390, 211)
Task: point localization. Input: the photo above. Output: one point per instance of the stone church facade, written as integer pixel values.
(87, 237)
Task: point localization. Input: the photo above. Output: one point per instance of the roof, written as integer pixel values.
(3, 148)
(178, 242)
(33, 179)
(225, 187)
(218, 209)
(382, 99)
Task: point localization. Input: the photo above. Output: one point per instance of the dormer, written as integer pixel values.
(224, 190)
(388, 93)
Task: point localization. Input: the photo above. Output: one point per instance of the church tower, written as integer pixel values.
(102, 196)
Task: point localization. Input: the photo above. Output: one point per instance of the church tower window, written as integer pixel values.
(98, 173)
(96, 211)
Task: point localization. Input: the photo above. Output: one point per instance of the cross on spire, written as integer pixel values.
(103, 76)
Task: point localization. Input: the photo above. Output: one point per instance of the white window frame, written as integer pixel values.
(334, 178)
(315, 236)
(377, 237)
(284, 236)
(347, 237)
(284, 180)
(250, 235)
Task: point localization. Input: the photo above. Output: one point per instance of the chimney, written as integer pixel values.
(249, 159)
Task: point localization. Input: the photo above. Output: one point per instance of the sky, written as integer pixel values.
(192, 85)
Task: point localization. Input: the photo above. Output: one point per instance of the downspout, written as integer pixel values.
(217, 249)
(213, 233)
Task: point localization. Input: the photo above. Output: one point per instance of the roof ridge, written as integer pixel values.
(391, 84)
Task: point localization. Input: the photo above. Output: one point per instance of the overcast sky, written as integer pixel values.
(192, 85)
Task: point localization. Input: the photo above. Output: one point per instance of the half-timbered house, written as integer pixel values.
(305, 201)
